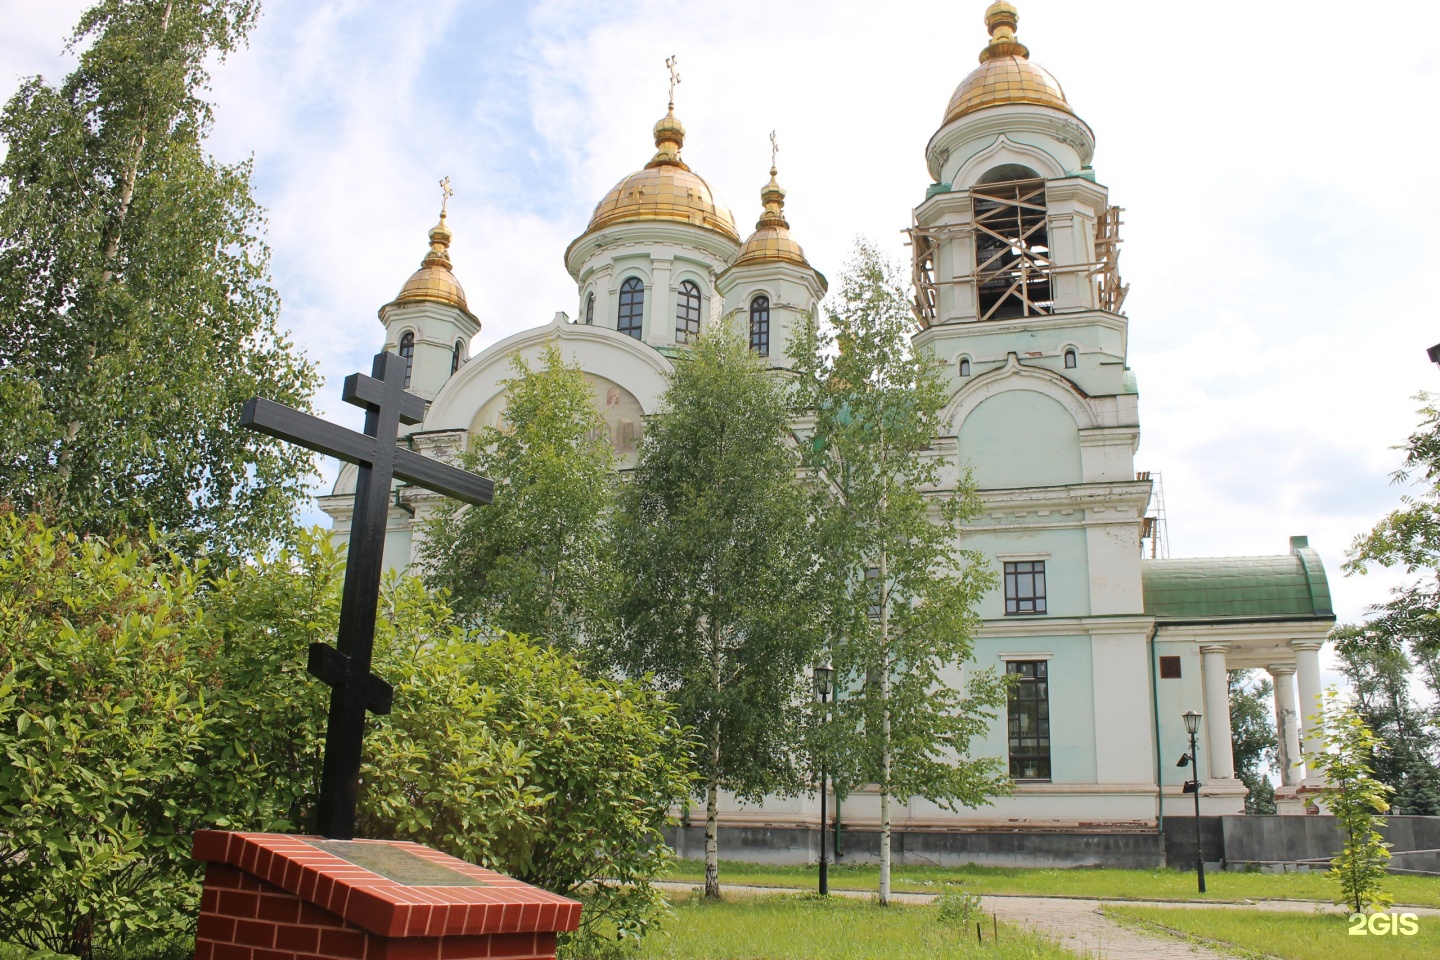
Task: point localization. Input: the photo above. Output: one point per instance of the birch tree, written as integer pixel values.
(902, 591)
(136, 310)
(715, 565)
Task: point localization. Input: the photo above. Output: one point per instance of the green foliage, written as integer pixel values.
(958, 907)
(533, 561)
(716, 555)
(1409, 537)
(134, 290)
(1380, 671)
(1253, 743)
(903, 592)
(140, 701)
(1357, 800)
(102, 734)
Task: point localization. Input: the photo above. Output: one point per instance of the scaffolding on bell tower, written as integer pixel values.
(1152, 526)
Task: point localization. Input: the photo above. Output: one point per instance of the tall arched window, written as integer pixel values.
(407, 350)
(760, 325)
(632, 307)
(590, 309)
(964, 366)
(687, 312)
(1070, 358)
(457, 355)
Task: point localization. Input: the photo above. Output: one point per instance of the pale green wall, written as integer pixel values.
(1067, 568)
(1072, 703)
(1020, 438)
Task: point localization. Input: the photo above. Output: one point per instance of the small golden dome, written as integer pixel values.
(666, 189)
(1005, 74)
(771, 240)
(434, 282)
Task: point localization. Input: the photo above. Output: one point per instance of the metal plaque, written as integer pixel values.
(396, 863)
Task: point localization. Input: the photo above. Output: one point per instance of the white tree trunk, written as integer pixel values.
(712, 842)
(885, 667)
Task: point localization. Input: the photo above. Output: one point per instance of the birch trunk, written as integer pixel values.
(885, 667)
(712, 828)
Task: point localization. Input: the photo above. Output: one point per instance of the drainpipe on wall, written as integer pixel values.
(1155, 721)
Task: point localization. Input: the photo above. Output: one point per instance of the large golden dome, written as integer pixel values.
(665, 190)
(771, 240)
(1005, 74)
(434, 282)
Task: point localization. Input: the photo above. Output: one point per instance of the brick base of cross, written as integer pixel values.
(281, 897)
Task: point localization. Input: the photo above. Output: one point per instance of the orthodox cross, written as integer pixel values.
(774, 148)
(445, 194)
(346, 666)
(670, 62)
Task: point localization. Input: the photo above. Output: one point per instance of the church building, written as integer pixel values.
(1018, 295)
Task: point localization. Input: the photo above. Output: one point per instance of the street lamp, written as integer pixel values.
(1192, 727)
(823, 674)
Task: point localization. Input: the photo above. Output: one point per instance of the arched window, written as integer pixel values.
(760, 325)
(407, 350)
(1012, 246)
(632, 307)
(964, 366)
(590, 309)
(457, 355)
(1070, 358)
(687, 312)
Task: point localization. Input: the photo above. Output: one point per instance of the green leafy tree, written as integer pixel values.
(1357, 800)
(1409, 538)
(1380, 671)
(1253, 744)
(715, 560)
(143, 697)
(136, 311)
(533, 561)
(903, 591)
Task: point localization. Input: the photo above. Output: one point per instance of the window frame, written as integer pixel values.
(630, 313)
(689, 305)
(964, 366)
(1072, 358)
(1028, 699)
(1016, 600)
(407, 353)
(590, 308)
(760, 324)
(457, 356)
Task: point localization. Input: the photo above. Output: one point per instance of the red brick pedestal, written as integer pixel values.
(272, 896)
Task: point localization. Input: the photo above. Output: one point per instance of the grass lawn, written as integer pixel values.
(1294, 936)
(1078, 882)
(800, 927)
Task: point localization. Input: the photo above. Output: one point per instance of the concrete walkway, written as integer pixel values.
(1079, 925)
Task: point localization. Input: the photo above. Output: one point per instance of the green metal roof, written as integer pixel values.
(1224, 588)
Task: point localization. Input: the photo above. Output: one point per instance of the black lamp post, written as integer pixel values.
(1192, 727)
(823, 674)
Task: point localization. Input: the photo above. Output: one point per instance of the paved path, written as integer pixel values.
(1079, 925)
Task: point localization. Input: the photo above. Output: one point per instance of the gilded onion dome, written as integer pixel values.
(771, 240)
(1005, 74)
(666, 189)
(434, 282)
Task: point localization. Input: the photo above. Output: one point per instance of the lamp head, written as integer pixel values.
(823, 674)
(1192, 722)
(1184, 760)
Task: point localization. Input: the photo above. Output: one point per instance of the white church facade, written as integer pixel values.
(1018, 296)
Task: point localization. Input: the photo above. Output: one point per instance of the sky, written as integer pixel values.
(1279, 237)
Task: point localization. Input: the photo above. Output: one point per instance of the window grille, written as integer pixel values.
(1028, 719)
(760, 326)
(1024, 587)
(632, 308)
(1012, 250)
(687, 312)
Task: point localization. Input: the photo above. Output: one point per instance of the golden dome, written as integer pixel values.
(665, 190)
(1005, 74)
(434, 282)
(771, 240)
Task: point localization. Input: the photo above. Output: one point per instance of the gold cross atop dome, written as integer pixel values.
(774, 149)
(670, 62)
(445, 194)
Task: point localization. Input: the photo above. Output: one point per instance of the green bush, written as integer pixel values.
(140, 701)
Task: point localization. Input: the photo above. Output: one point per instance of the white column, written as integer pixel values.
(1307, 677)
(1217, 710)
(1287, 723)
(662, 306)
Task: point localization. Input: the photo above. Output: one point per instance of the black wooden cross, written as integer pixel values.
(346, 666)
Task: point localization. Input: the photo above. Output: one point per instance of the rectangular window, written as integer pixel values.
(1024, 587)
(1028, 716)
(1169, 668)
